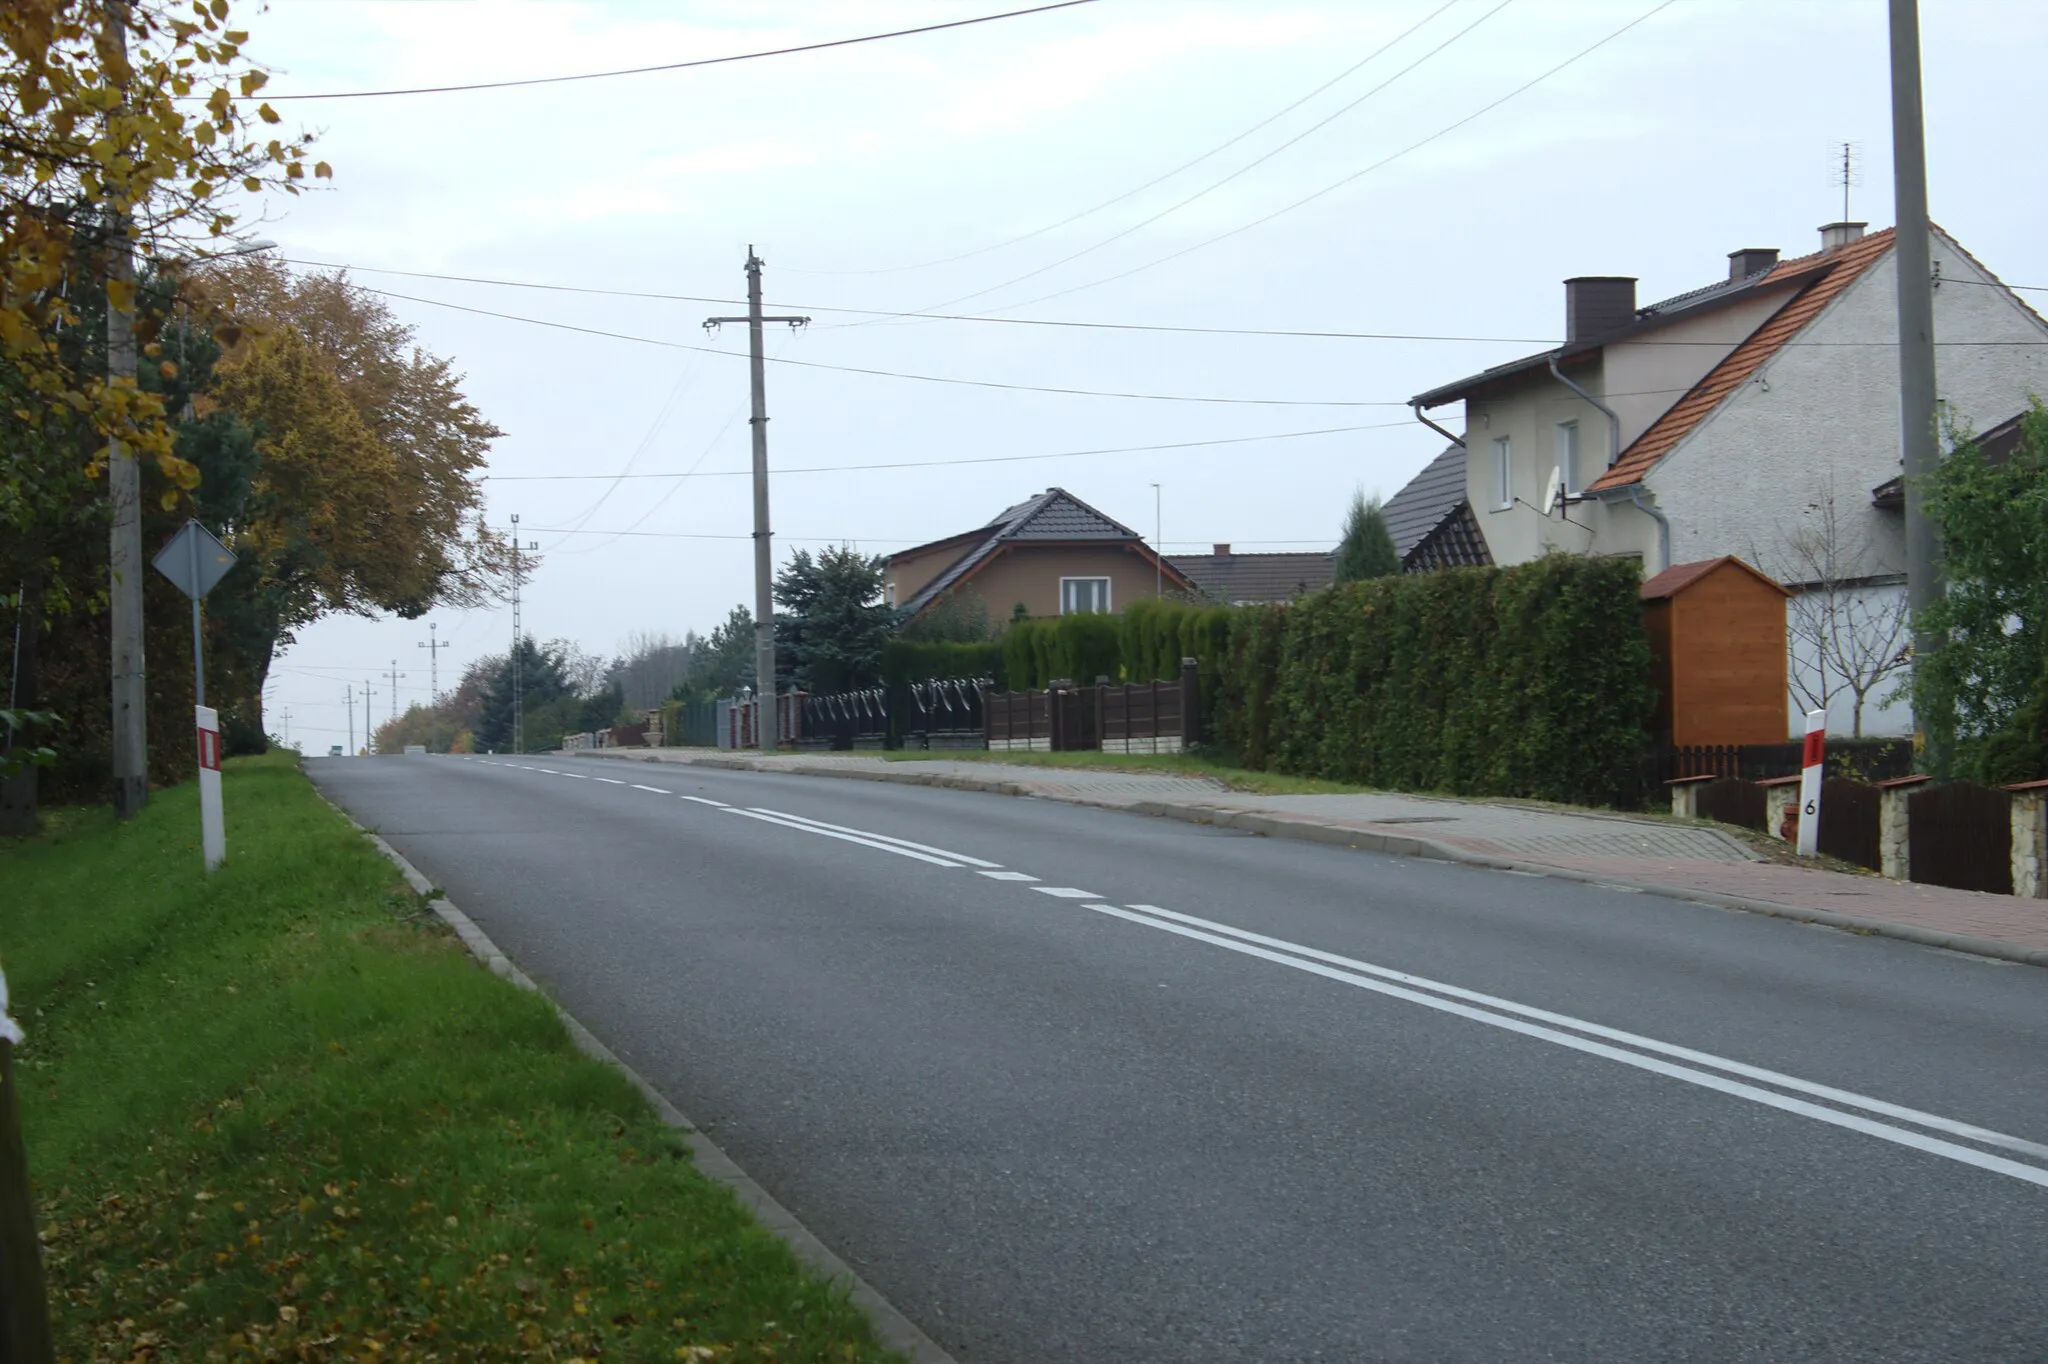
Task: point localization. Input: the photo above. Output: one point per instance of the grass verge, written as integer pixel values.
(1165, 764)
(280, 1113)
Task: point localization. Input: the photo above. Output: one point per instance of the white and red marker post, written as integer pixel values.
(1812, 766)
(213, 837)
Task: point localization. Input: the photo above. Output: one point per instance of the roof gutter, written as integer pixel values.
(1649, 509)
(1416, 408)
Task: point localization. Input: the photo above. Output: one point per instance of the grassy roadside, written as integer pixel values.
(1164, 764)
(281, 1114)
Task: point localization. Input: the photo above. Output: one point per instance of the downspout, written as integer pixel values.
(1416, 408)
(1635, 491)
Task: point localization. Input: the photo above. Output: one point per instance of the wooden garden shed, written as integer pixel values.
(1717, 630)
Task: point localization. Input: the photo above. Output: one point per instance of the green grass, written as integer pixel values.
(1167, 764)
(279, 1113)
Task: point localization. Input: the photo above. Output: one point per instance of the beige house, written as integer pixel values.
(1756, 417)
(1053, 554)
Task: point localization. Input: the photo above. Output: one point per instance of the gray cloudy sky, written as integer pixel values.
(905, 175)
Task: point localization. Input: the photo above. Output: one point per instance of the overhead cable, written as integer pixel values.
(683, 66)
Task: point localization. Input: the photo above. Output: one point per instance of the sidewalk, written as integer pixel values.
(1684, 861)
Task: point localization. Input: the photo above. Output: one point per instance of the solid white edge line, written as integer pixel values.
(656, 789)
(846, 838)
(1852, 1099)
(1768, 1098)
(706, 800)
(962, 858)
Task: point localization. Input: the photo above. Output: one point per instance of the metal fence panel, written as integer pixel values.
(1732, 800)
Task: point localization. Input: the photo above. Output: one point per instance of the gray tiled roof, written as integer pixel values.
(1054, 514)
(1429, 497)
(1234, 578)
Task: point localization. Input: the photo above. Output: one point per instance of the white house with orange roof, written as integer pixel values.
(1756, 417)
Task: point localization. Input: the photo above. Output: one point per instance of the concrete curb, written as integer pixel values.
(1409, 845)
(892, 1328)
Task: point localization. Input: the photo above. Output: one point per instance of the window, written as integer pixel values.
(1568, 456)
(1503, 491)
(1078, 596)
(889, 594)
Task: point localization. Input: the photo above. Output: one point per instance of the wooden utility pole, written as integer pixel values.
(24, 1304)
(766, 719)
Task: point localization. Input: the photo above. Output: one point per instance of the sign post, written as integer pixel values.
(1812, 767)
(195, 562)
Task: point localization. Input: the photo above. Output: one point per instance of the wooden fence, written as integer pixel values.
(1960, 834)
(1147, 717)
(1849, 822)
(1867, 759)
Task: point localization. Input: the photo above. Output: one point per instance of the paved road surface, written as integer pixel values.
(1072, 1084)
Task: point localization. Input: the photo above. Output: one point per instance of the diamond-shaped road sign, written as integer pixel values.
(194, 560)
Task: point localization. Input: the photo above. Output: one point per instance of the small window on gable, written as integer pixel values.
(1568, 457)
(1081, 596)
(1503, 490)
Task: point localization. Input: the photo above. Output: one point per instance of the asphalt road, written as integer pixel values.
(1198, 1095)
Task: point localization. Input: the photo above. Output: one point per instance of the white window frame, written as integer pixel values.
(1065, 610)
(1568, 456)
(1502, 472)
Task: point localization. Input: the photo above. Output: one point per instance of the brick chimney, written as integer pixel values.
(1835, 236)
(1597, 304)
(1222, 551)
(1751, 260)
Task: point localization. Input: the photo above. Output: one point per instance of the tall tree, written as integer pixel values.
(836, 621)
(1994, 614)
(1367, 549)
(130, 120)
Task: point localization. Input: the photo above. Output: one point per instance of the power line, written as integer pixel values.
(882, 373)
(1374, 55)
(1249, 166)
(1384, 161)
(981, 459)
(684, 66)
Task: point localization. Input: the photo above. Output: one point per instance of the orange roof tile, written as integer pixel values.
(1688, 412)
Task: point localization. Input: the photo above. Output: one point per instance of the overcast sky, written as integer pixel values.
(956, 171)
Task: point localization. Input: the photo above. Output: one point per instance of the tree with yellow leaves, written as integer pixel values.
(119, 119)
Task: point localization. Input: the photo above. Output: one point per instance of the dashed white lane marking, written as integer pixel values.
(961, 858)
(846, 838)
(1067, 893)
(549, 770)
(656, 789)
(1309, 960)
(577, 775)
(1007, 876)
(706, 800)
(609, 781)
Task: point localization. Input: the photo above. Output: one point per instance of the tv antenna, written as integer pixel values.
(1845, 168)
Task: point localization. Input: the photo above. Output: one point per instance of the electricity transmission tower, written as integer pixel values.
(518, 641)
(395, 675)
(433, 645)
(765, 717)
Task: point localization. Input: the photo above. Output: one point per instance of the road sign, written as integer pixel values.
(194, 560)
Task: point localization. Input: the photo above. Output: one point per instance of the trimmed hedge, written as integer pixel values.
(1079, 648)
(1530, 681)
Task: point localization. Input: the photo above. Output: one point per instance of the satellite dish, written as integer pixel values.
(1553, 491)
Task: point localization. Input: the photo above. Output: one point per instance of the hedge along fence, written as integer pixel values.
(1528, 681)
(905, 661)
(1079, 648)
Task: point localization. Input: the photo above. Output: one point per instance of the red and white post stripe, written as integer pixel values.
(1812, 766)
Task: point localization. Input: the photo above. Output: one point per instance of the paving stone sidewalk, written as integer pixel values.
(1686, 861)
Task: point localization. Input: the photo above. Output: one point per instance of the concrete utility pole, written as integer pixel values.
(433, 645)
(766, 720)
(1919, 440)
(369, 732)
(349, 700)
(1158, 546)
(124, 492)
(518, 653)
